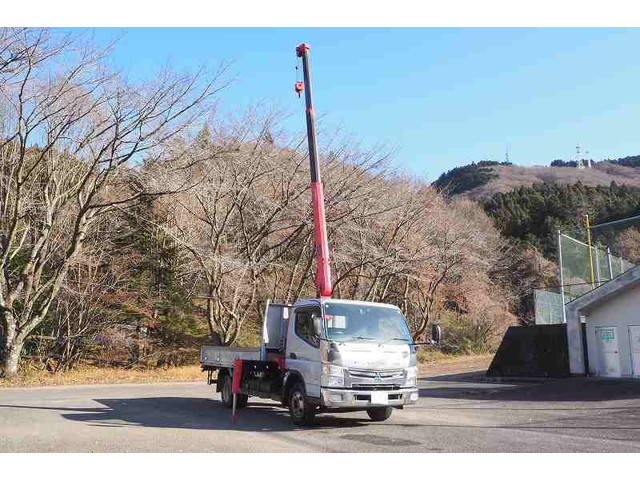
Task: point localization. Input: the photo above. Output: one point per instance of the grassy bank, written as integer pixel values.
(437, 363)
(95, 375)
(431, 364)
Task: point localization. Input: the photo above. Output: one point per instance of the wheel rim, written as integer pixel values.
(297, 404)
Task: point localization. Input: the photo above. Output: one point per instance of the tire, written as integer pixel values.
(379, 414)
(226, 394)
(301, 411)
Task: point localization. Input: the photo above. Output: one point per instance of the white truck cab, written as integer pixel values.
(325, 354)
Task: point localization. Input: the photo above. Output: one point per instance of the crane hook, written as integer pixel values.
(299, 87)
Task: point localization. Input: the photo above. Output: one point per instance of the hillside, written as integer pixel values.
(533, 214)
(529, 204)
(482, 180)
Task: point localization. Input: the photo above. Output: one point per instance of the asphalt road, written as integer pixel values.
(454, 414)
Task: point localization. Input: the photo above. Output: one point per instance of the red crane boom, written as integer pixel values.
(321, 246)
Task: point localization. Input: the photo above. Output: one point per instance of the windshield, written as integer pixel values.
(346, 322)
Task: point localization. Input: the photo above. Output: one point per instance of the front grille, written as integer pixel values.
(374, 386)
(383, 374)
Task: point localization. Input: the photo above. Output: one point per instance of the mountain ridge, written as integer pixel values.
(480, 181)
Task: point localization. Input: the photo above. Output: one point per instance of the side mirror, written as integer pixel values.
(436, 334)
(317, 325)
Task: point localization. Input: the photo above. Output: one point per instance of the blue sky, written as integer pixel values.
(441, 97)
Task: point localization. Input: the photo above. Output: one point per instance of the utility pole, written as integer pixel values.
(560, 262)
(587, 226)
(321, 245)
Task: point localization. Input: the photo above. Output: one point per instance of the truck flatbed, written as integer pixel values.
(224, 356)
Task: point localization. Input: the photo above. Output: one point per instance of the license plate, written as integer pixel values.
(380, 398)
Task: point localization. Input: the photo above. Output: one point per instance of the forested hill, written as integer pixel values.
(530, 204)
(479, 181)
(534, 214)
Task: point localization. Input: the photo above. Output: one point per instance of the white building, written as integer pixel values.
(611, 314)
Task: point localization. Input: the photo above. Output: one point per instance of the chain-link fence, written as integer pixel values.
(548, 306)
(579, 274)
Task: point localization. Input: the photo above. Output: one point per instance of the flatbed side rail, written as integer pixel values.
(211, 356)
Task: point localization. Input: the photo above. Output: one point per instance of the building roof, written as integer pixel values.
(606, 291)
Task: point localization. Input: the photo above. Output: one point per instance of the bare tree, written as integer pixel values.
(85, 307)
(237, 222)
(247, 228)
(629, 245)
(72, 135)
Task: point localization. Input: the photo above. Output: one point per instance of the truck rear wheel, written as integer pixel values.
(301, 411)
(226, 394)
(379, 414)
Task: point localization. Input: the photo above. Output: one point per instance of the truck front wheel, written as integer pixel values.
(379, 414)
(226, 394)
(301, 411)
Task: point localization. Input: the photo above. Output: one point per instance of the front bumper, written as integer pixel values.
(346, 398)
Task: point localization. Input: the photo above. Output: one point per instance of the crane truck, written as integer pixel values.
(321, 354)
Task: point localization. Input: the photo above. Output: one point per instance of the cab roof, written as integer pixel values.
(318, 301)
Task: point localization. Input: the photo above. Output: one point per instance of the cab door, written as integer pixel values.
(303, 348)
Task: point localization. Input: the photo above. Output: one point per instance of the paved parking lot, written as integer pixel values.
(455, 413)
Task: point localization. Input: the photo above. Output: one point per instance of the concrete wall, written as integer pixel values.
(533, 351)
(620, 311)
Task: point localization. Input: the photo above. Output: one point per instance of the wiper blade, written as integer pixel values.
(400, 338)
(363, 338)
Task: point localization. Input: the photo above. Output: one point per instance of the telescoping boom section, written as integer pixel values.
(321, 246)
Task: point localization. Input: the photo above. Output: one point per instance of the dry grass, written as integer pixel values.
(94, 375)
(437, 363)
(431, 363)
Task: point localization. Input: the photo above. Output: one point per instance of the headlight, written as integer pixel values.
(332, 375)
(411, 377)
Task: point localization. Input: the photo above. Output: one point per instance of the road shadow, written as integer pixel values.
(576, 389)
(192, 413)
(465, 377)
(480, 376)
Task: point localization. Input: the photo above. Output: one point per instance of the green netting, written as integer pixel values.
(576, 271)
(574, 261)
(620, 265)
(601, 272)
(576, 277)
(548, 307)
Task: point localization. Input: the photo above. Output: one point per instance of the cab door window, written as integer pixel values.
(304, 326)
